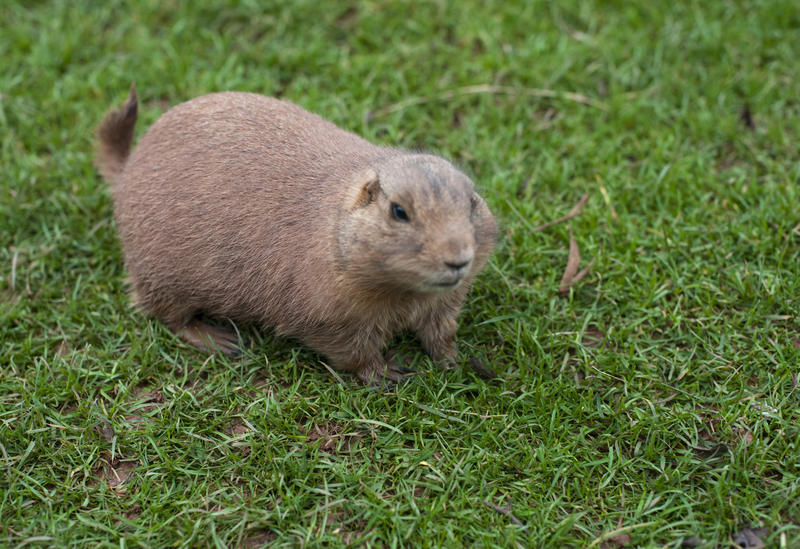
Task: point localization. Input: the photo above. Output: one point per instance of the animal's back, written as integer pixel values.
(227, 203)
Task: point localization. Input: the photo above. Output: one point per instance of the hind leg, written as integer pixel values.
(207, 337)
(183, 321)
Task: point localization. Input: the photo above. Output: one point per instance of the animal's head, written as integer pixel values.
(414, 223)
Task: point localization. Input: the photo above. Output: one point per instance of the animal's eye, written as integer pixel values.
(399, 213)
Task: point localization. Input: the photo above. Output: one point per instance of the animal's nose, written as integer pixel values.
(457, 265)
(458, 251)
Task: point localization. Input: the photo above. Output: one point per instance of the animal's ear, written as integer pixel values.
(368, 186)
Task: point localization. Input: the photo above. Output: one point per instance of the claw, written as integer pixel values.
(384, 375)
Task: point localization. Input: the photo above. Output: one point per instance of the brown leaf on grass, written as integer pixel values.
(796, 343)
(750, 538)
(571, 274)
(573, 261)
(576, 209)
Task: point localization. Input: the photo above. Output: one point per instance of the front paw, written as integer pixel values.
(444, 352)
(382, 374)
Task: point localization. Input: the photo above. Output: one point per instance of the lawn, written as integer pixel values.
(655, 403)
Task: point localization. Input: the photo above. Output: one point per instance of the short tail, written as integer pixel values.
(114, 138)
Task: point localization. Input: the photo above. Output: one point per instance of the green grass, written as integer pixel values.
(660, 396)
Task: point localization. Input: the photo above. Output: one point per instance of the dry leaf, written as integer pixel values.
(576, 209)
(571, 273)
(572, 265)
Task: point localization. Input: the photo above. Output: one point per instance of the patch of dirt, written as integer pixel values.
(348, 529)
(134, 512)
(63, 348)
(333, 436)
(236, 427)
(145, 402)
(593, 337)
(115, 473)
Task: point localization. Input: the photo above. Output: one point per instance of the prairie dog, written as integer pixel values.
(247, 208)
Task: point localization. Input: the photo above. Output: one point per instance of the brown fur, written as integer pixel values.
(242, 207)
